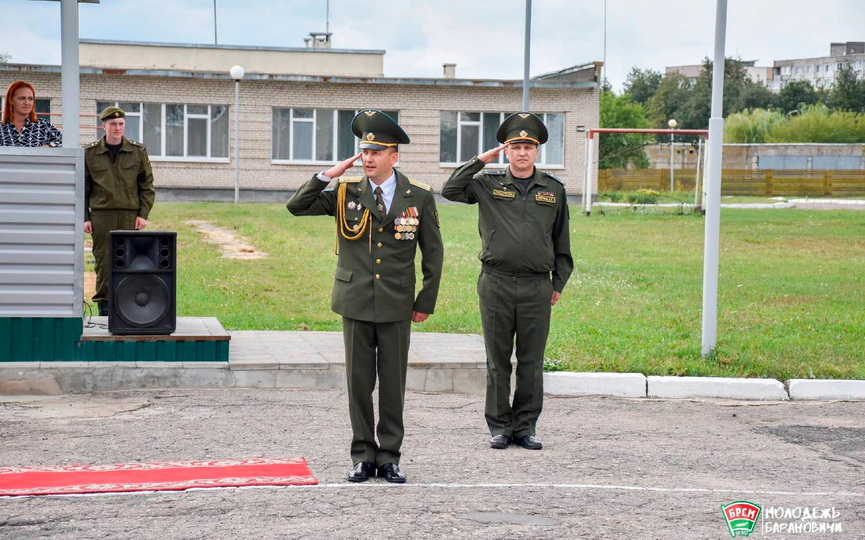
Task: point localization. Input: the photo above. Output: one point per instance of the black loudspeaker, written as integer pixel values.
(142, 290)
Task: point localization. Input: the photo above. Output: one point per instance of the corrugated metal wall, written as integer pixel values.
(41, 246)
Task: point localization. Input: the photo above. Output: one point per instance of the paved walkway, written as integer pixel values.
(437, 363)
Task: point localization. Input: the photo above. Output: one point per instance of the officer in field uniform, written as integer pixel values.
(381, 220)
(525, 263)
(118, 192)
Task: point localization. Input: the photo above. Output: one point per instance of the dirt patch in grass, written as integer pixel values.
(233, 245)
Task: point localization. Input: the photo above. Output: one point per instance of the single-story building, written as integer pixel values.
(295, 106)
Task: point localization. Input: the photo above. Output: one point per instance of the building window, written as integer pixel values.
(463, 135)
(314, 135)
(174, 130)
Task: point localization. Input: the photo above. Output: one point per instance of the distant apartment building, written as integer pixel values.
(760, 74)
(295, 107)
(820, 71)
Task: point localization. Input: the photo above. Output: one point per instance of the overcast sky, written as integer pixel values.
(483, 37)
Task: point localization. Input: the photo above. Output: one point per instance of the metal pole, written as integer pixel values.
(713, 188)
(587, 186)
(236, 141)
(697, 175)
(671, 163)
(215, 41)
(526, 56)
(69, 76)
(604, 67)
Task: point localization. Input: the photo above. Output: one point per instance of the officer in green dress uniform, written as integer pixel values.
(525, 262)
(118, 192)
(381, 220)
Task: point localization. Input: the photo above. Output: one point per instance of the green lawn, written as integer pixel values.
(791, 295)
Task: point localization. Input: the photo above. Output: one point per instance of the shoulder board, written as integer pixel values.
(350, 179)
(495, 172)
(136, 143)
(556, 178)
(91, 145)
(418, 183)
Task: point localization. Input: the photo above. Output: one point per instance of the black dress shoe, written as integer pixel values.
(361, 472)
(500, 442)
(391, 473)
(529, 442)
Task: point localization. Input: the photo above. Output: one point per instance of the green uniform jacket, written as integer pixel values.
(521, 234)
(375, 277)
(124, 185)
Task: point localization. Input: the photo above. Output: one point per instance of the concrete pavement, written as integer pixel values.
(611, 467)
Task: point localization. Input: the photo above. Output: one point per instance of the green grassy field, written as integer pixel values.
(791, 293)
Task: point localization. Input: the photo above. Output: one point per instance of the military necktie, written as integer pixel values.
(379, 199)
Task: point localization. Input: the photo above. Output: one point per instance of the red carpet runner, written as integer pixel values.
(159, 476)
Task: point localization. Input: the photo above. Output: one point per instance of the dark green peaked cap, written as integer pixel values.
(522, 127)
(377, 130)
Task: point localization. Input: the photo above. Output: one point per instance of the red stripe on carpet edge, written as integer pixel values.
(155, 478)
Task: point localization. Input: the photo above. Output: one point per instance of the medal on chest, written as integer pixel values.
(405, 224)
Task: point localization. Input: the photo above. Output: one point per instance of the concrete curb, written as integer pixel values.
(716, 387)
(586, 384)
(804, 389)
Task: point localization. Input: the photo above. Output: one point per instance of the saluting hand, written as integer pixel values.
(491, 155)
(339, 169)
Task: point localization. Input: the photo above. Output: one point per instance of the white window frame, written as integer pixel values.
(314, 120)
(162, 131)
(501, 163)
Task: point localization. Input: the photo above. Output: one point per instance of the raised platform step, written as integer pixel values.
(196, 339)
(257, 359)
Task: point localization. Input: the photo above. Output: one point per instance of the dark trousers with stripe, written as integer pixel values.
(514, 307)
(376, 350)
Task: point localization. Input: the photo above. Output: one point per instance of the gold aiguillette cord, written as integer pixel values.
(343, 228)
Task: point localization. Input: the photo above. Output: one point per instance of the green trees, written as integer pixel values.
(799, 113)
(670, 100)
(751, 126)
(642, 84)
(796, 94)
(617, 150)
(817, 124)
(848, 93)
(690, 101)
(814, 124)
